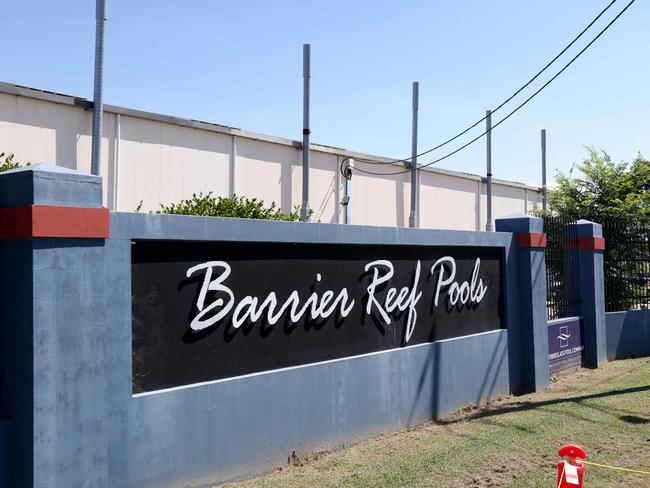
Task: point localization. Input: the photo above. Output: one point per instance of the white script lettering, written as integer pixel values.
(323, 304)
(472, 292)
(214, 285)
(406, 298)
(320, 307)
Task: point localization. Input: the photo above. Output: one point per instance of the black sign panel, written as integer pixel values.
(205, 311)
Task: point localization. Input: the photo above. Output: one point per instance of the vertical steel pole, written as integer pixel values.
(413, 217)
(544, 170)
(488, 129)
(98, 104)
(306, 74)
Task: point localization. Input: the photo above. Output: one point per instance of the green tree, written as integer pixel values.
(603, 190)
(616, 195)
(235, 206)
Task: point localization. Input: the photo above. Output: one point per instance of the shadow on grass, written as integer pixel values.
(633, 419)
(522, 406)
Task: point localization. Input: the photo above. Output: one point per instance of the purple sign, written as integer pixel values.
(566, 344)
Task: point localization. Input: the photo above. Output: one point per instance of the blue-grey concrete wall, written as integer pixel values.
(69, 392)
(65, 353)
(628, 334)
(234, 429)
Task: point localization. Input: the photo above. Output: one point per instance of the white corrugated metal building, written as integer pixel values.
(157, 158)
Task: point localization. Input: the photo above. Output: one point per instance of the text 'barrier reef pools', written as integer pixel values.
(211, 311)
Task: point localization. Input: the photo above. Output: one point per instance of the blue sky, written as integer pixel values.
(238, 63)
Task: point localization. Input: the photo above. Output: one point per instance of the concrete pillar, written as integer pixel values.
(592, 291)
(53, 328)
(529, 241)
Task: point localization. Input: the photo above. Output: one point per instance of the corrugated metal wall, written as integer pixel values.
(161, 161)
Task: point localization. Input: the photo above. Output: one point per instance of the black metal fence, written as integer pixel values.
(562, 289)
(626, 266)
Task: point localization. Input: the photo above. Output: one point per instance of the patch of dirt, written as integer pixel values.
(297, 459)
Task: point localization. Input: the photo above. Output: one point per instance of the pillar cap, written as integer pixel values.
(519, 223)
(587, 228)
(47, 184)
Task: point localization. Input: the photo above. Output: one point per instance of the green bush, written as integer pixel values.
(7, 162)
(235, 206)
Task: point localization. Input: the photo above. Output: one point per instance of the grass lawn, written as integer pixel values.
(509, 442)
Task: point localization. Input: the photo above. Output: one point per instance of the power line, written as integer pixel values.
(523, 87)
(512, 112)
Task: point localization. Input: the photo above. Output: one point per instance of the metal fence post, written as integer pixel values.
(415, 180)
(544, 170)
(98, 103)
(488, 133)
(306, 75)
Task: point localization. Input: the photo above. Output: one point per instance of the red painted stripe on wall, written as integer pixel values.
(53, 221)
(531, 239)
(591, 243)
(586, 244)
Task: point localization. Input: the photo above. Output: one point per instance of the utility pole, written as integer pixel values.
(544, 170)
(306, 74)
(98, 104)
(488, 132)
(415, 181)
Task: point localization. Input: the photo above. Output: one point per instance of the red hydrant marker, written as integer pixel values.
(570, 471)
